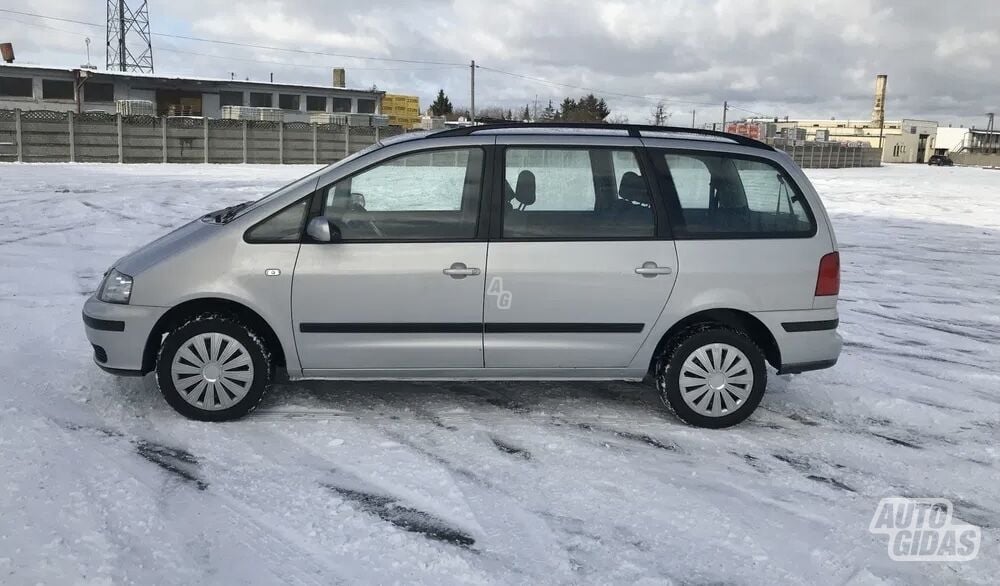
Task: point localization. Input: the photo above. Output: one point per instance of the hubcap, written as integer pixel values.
(716, 380)
(212, 371)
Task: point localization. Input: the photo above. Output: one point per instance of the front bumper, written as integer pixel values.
(807, 339)
(119, 333)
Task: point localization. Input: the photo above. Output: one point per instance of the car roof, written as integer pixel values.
(598, 129)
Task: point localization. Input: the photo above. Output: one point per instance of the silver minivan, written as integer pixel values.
(498, 252)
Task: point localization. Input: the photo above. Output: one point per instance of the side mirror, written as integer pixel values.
(321, 229)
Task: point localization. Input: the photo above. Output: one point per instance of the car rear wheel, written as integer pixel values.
(712, 376)
(213, 368)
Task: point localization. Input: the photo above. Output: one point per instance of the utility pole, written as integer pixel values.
(692, 118)
(989, 131)
(472, 110)
(725, 108)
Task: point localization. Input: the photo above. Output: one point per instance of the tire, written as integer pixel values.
(213, 368)
(716, 403)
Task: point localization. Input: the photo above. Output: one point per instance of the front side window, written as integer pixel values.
(430, 195)
(288, 101)
(720, 196)
(565, 193)
(366, 106)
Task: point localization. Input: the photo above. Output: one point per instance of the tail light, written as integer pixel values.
(828, 281)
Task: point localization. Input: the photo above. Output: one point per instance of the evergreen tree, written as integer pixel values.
(588, 109)
(441, 105)
(567, 110)
(526, 116)
(548, 114)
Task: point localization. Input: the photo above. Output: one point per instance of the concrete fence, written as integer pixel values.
(44, 136)
(976, 159)
(831, 155)
(98, 137)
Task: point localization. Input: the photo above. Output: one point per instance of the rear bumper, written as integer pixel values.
(118, 334)
(807, 339)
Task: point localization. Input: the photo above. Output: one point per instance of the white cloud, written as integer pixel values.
(815, 58)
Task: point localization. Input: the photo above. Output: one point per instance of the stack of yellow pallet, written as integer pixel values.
(402, 110)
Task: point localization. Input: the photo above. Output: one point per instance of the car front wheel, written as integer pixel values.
(712, 376)
(213, 368)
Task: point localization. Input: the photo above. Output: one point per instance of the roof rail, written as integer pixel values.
(634, 130)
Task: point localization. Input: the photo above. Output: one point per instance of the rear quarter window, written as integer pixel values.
(731, 196)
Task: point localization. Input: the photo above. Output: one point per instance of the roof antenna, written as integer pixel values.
(88, 65)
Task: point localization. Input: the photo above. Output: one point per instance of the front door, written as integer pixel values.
(577, 275)
(402, 288)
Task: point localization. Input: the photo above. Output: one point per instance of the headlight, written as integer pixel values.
(116, 288)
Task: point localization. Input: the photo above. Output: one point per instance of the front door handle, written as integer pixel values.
(650, 269)
(458, 270)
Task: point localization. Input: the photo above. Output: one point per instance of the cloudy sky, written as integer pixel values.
(815, 58)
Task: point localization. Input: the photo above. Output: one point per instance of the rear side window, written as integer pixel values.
(725, 196)
(580, 194)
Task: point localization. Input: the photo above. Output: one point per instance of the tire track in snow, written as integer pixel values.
(285, 560)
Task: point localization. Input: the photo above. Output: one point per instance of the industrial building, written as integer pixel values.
(902, 141)
(32, 87)
(967, 140)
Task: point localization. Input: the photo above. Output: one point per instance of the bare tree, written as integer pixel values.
(659, 116)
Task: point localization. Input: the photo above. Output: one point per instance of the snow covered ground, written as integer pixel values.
(101, 482)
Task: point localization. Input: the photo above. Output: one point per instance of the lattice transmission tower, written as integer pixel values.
(129, 45)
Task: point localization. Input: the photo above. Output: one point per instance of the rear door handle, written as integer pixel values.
(650, 269)
(458, 270)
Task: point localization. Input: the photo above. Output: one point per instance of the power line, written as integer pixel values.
(248, 45)
(742, 109)
(246, 59)
(305, 65)
(650, 99)
(443, 64)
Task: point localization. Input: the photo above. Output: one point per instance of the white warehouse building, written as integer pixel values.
(33, 87)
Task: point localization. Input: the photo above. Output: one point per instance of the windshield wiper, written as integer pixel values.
(225, 214)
